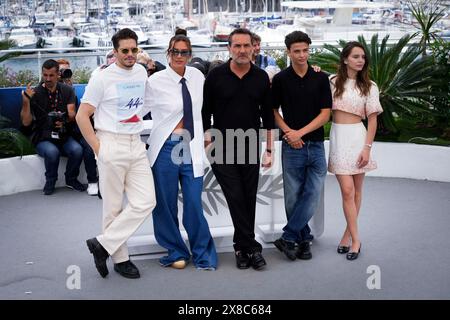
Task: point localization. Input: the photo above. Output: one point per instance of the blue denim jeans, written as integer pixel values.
(304, 172)
(51, 153)
(90, 164)
(167, 175)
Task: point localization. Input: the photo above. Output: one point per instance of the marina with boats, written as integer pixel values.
(63, 24)
(82, 30)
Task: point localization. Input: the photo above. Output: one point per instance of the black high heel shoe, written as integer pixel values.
(343, 249)
(353, 255)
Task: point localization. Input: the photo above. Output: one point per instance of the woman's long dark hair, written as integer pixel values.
(362, 77)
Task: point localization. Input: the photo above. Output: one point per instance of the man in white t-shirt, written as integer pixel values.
(116, 96)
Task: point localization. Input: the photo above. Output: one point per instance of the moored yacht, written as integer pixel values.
(24, 38)
(59, 38)
(92, 36)
(142, 37)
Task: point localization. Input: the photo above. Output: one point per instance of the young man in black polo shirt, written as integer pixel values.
(50, 107)
(237, 95)
(305, 100)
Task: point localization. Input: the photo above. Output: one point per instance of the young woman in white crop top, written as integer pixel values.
(355, 97)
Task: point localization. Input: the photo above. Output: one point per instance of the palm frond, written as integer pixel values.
(427, 13)
(5, 45)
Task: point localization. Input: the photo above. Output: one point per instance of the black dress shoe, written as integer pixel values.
(304, 251)
(287, 247)
(127, 269)
(257, 261)
(49, 187)
(353, 255)
(76, 185)
(100, 256)
(343, 249)
(242, 260)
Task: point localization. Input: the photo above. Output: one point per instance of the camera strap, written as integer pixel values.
(53, 100)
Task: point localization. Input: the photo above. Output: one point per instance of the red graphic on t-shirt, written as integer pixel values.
(134, 118)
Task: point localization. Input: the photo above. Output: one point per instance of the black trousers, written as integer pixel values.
(239, 183)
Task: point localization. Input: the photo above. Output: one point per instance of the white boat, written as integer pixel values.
(142, 37)
(269, 35)
(222, 31)
(59, 38)
(44, 21)
(90, 35)
(325, 29)
(24, 38)
(20, 21)
(159, 38)
(200, 37)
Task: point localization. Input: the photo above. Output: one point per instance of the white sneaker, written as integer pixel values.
(92, 189)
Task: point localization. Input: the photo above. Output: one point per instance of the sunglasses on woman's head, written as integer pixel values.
(133, 51)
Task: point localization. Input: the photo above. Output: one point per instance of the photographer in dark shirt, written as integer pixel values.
(50, 109)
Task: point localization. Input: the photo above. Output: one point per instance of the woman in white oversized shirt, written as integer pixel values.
(355, 97)
(175, 158)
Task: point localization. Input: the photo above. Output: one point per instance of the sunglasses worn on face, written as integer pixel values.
(133, 51)
(183, 53)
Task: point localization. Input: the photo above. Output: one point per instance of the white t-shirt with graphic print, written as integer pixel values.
(118, 95)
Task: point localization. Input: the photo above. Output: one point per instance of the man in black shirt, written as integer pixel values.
(305, 100)
(50, 108)
(237, 95)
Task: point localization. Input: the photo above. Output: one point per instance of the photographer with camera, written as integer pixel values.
(50, 108)
(65, 73)
(90, 164)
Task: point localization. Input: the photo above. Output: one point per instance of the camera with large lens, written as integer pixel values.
(58, 131)
(65, 73)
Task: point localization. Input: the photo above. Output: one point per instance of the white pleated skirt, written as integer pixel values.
(346, 143)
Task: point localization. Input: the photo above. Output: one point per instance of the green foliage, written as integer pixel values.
(13, 143)
(81, 75)
(4, 122)
(441, 52)
(24, 77)
(411, 132)
(5, 45)
(427, 13)
(280, 57)
(9, 78)
(441, 105)
(5, 77)
(327, 57)
(406, 80)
